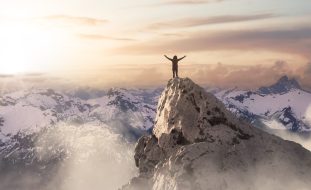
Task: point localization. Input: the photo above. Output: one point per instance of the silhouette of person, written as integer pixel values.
(175, 64)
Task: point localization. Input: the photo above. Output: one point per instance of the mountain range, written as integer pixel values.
(33, 121)
(283, 105)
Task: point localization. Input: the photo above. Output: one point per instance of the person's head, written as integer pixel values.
(175, 57)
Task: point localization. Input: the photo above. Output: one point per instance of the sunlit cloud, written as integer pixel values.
(6, 76)
(217, 75)
(294, 41)
(156, 75)
(76, 20)
(81, 41)
(199, 21)
(228, 75)
(190, 1)
(103, 37)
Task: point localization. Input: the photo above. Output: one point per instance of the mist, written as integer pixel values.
(71, 157)
(304, 139)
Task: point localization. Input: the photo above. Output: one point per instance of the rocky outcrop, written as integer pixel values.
(197, 144)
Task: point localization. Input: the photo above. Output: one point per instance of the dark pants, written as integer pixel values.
(175, 72)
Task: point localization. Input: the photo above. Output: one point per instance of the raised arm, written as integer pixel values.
(168, 58)
(181, 58)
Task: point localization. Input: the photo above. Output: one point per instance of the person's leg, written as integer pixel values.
(173, 73)
(177, 72)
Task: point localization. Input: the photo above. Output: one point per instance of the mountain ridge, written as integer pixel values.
(283, 85)
(265, 105)
(198, 144)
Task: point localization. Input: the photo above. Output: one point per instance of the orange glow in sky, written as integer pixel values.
(91, 39)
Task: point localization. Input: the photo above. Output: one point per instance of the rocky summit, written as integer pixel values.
(197, 144)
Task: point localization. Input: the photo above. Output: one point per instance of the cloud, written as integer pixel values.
(227, 75)
(305, 76)
(249, 76)
(213, 75)
(152, 75)
(103, 37)
(307, 69)
(77, 20)
(294, 41)
(223, 75)
(34, 74)
(33, 80)
(6, 76)
(190, 1)
(192, 22)
(77, 157)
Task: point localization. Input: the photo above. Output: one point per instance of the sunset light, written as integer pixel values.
(25, 46)
(155, 94)
(97, 38)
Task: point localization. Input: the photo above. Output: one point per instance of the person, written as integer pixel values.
(175, 61)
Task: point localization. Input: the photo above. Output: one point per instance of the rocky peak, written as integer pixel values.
(186, 108)
(283, 85)
(197, 144)
(285, 81)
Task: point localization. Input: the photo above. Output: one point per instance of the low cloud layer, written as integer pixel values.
(157, 75)
(226, 76)
(73, 158)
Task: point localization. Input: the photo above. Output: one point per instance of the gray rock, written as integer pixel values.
(197, 144)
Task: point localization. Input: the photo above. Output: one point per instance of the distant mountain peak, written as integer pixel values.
(283, 85)
(287, 81)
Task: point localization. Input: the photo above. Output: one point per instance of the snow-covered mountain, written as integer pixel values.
(283, 105)
(131, 108)
(44, 132)
(34, 109)
(198, 144)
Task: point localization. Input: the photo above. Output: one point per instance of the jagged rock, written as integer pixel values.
(197, 144)
(148, 154)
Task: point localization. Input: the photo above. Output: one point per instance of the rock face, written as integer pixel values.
(197, 144)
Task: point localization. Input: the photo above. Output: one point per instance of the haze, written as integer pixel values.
(122, 43)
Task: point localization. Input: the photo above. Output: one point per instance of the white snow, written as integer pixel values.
(308, 114)
(298, 100)
(273, 124)
(36, 108)
(21, 117)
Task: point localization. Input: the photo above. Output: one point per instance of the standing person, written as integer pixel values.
(175, 64)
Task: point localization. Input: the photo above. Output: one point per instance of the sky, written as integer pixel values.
(244, 43)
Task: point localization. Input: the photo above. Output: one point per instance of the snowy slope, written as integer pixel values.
(37, 108)
(282, 104)
(59, 140)
(33, 109)
(125, 105)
